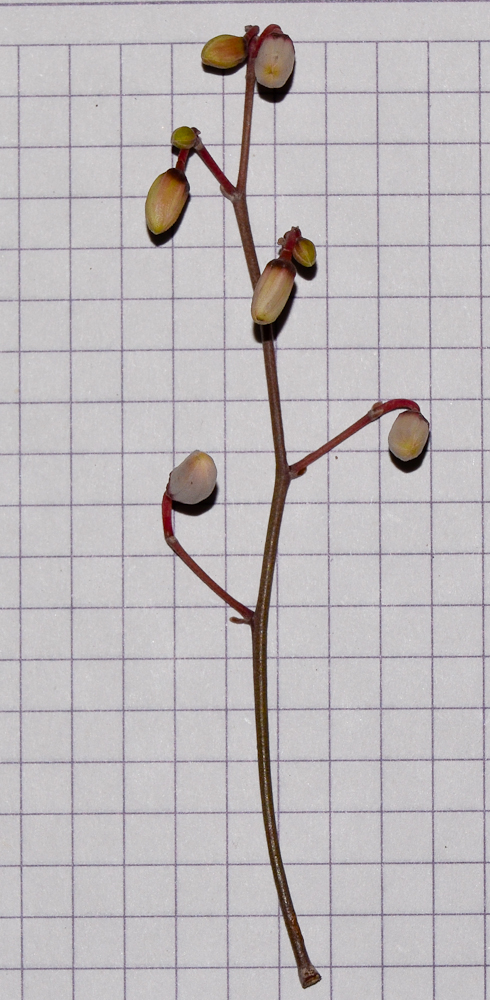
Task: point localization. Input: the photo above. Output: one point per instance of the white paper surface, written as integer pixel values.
(133, 860)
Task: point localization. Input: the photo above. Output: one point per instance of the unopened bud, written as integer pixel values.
(166, 199)
(183, 137)
(275, 61)
(194, 479)
(304, 251)
(408, 436)
(224, 51)
(272, 291)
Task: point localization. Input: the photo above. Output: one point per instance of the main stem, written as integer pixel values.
(308, 975)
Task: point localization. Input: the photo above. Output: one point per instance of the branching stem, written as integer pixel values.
(176, 547)
(284, 474)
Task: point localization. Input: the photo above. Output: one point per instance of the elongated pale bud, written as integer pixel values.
(275, 60)
(183, 137)
(304, 251)
(166, 199)
(408, 436)
(224, 51)
(194, 479)
(272, 291)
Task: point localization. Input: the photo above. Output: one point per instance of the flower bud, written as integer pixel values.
(183, 137)
(275, 61)
(408, 436)
(194, 479)
(166, 199)
(304, 251)
(224, 51)
(272, 291)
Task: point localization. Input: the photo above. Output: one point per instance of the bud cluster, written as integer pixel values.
(275, 284)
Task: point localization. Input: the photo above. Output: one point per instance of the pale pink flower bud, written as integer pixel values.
(275, 61)
(408, 436)
(165, 201)
(224, 51)
(194, 479)
(272, 291)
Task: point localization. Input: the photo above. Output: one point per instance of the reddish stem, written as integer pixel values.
(288, 243)
(176, 547)
(227, 187)
(377, 410)
(182, 160)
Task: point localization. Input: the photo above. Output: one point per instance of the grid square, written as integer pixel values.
(454, 66)
(458, 888)
(403, 220)
(356, 838)
(351, 67)
(408, 940)
(351, 118)
(458, 939)
(404, 271)
(407, 889)
(150, 891)
(97, 788)
(458, 837)
(402, 66)
(95, 172)
(47, 840)
(402, 118)
(351, 169)
(454, 118)
(48, 943)
(455, 170)
(355, 785)
(145, 68)
(403, 169)
(98, 942)
(356, 940)
(95, 121)
(43, 69)
(407, 837)
(47, 788)
(44, 121)
(95, 70)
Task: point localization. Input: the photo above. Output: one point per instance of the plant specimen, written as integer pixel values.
(269, 59)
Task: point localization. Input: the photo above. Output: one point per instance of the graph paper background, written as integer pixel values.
(133, 861)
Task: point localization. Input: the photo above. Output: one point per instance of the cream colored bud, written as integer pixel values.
(275, 61)
(408, 436)
(183, 137)
(194, 479)
(304, 252)
(272, 291)
(224, 51)
(166, 199)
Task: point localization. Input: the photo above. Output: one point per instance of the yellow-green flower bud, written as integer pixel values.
(408, 436)
(194, 479)
(166, 199)
(224, 51)
(304, 251)
(275, 61)
(183, 137)
(272, 291)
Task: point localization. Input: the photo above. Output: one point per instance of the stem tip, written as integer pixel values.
(308, 976)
